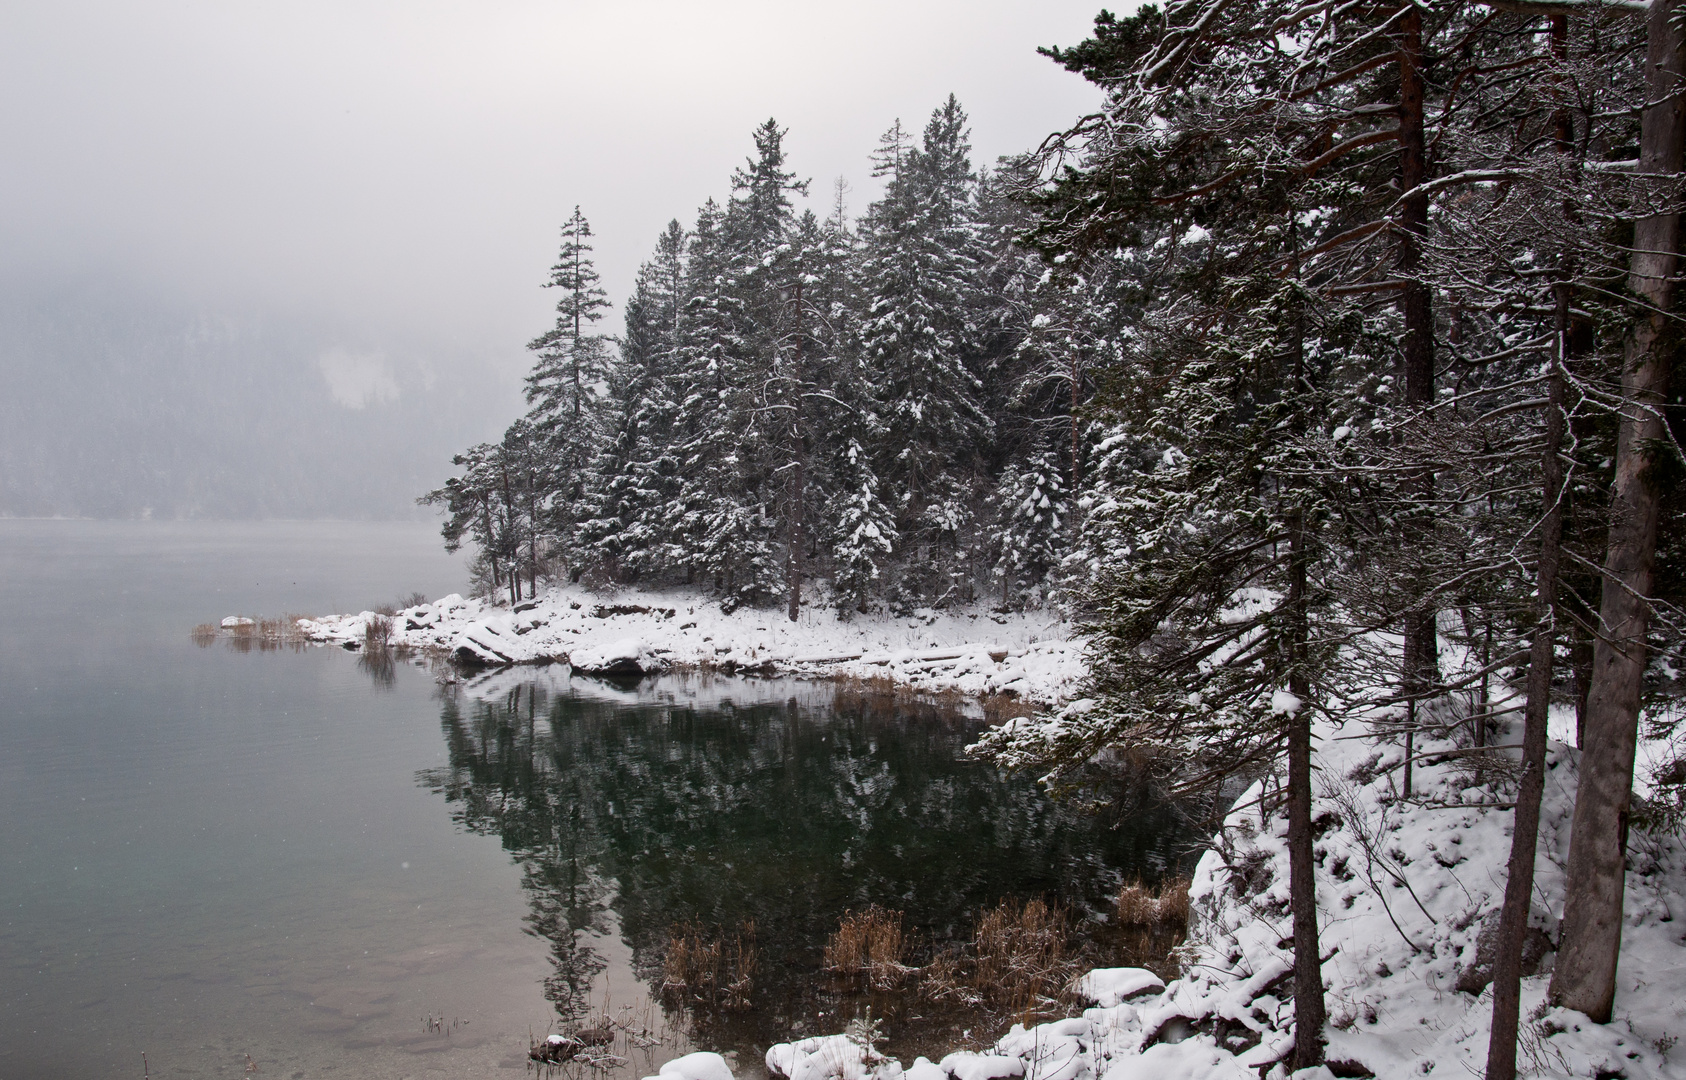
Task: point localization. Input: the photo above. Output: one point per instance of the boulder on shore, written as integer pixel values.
(626, 656)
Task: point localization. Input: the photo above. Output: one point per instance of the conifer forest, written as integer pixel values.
(1326, 371)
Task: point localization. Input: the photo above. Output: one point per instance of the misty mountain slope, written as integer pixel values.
(114, 406)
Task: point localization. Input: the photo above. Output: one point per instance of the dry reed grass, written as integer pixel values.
(1023, 959)
(869, 943)
(262, 634)
(1019, 963)
(377, 632)
(946, 978)
(1151, 925)
(883, 694)
(710, 968)
(1164, 907)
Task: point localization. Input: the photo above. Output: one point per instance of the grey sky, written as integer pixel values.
(396, 171)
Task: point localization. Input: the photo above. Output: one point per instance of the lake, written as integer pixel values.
(324, 867)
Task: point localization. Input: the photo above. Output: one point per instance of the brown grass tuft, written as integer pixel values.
(1022, 954)
(1163, 908)
(1019, 963)
(869, 943)
(1151, 925)
(709, 968)
(947, 978)
(377, 633)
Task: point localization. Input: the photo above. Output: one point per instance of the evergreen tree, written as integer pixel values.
(562, 388)
(1031, 508)
(636, 474)
(920, 267)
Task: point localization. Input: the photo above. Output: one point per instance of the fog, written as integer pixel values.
(267, 259)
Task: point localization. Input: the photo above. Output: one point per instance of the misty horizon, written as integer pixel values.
(285, 263)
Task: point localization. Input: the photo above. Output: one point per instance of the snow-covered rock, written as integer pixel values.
(1106, 987)
(965, 1065)
(232, 622)
(624, 656)
(701, 1065)
(923, 1068)
(830, 1057)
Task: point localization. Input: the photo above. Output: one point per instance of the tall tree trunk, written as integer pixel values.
(1580, 666)
(533, 534)
(1076, 430)
(510, 518)
(1309, 1011)
(1421, 660)
(1585, 974)
(798, 482)
(1524, 840)
(793, 557)
(491, 549)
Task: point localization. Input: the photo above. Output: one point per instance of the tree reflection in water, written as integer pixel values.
(785, 815)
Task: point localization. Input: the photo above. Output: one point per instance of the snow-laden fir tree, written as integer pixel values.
(635, 478)
(563, 386)
(1029, 532)
(919, 268)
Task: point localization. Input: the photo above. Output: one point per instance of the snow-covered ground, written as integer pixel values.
(972, 651)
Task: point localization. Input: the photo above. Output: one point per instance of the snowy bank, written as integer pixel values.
(972, 651)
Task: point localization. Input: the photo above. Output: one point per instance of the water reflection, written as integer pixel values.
(381, 665)
(634, 818)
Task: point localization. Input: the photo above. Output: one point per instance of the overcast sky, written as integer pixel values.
(398, 170)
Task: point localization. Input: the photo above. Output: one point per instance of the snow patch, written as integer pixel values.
(1106, 987)
(698, 1066)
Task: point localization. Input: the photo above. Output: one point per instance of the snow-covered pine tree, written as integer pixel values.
(482, 507)
(1208, 658)
(858, 531)
(864, 535)
(919, 272)
(703, 442)
(1049, 333)
(562, 388)
(636, 476)
(797, 399)
(735, 326)
(1031, 511)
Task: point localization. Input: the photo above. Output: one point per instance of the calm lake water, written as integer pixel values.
(208, 854)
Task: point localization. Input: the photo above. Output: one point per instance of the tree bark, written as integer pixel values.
(1585, 974)
(491, 547)
(1309, 1011)
(1421, 660)
(1524, 840)
(793, 555)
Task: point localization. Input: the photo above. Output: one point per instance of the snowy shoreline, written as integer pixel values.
(1033, 657)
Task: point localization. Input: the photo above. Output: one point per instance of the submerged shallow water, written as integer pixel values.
(210, 854)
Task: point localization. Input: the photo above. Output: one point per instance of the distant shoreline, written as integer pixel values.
(1031, 658)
